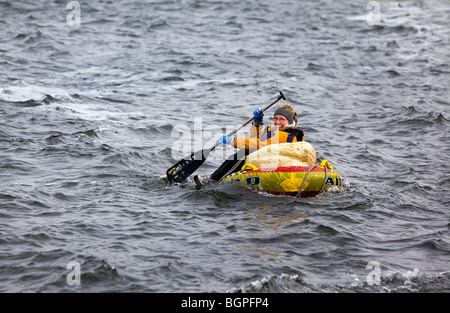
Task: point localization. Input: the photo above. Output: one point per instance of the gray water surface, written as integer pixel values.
(90, 114)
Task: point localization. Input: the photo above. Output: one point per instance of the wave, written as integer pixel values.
(390, 282)
(31, 95)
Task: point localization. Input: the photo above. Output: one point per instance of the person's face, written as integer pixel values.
(280, 121)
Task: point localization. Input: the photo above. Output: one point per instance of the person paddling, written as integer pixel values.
(284, 129)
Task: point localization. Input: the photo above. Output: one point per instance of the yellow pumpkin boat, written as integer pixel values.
(287, 169)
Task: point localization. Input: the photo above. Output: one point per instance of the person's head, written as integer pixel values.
(284, 116)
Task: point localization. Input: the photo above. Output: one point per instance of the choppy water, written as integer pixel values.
(89, 117)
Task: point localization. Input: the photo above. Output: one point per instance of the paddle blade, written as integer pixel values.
(184, 168)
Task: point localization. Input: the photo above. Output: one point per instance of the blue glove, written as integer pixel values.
(258, 113)
(225, 139)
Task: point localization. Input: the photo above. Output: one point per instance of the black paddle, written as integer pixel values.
(184, 168)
